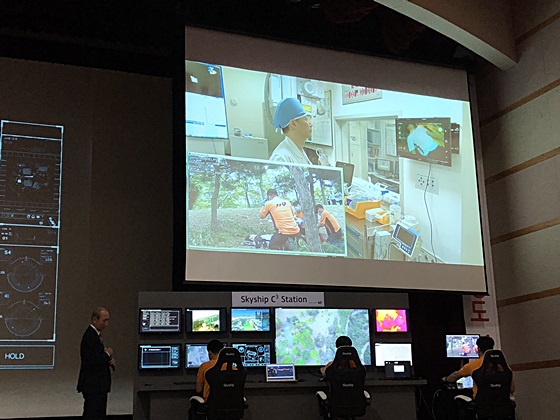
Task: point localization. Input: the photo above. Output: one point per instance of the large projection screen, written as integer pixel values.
(404, 129)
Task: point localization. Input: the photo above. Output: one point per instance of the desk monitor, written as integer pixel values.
(397, 370)
(201, 320)
(465, 383)
(160, 321)
(424, 139)
(280, 373)
(250, 319)
(406, 239)
(347, 171)
(462, 346)
(391, 320)
(159, 356)
(254, 354)
(392, 352)
(384, 165)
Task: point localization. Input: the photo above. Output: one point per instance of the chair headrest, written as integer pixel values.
(494, 357)
(345, 359)
(347, 352)
(231, 357)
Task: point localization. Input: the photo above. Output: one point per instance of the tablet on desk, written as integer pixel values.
(280, 373)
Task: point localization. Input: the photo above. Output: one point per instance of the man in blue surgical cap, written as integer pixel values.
(292, 119)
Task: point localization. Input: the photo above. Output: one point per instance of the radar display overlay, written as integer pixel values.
(30, 182)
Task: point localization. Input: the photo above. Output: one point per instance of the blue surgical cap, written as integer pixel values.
(287, 110)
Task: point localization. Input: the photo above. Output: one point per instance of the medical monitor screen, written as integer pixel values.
(155, 356)
(160, 321)
(254, 355)
(205, 102)
(462, 346)
(205, 320)
(392, 352)
(250, 319)
(424, 139)
(307, 336)
(269, 205)
(391, 320)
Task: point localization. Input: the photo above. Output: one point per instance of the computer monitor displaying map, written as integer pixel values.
(307, 336)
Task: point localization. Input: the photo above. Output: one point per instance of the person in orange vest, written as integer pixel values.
(331, 225)
(282, 214)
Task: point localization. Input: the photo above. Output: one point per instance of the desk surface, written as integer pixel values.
(154, 384)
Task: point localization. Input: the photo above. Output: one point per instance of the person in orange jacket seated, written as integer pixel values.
(483, 344)
(340, 341)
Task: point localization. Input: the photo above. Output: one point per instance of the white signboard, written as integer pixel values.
(277, 299)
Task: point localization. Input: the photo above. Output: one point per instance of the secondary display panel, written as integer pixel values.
(250, 319)
(160, 321)
(205, 320)
(462, 346)
(397, 137)
(159, 356)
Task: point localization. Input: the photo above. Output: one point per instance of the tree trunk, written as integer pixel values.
(307, 205)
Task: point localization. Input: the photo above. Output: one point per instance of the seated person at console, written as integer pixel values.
(213, 348)
(483, 344)
(340, 341)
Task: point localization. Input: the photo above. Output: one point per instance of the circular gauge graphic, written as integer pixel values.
(23, 318)
(24, 274)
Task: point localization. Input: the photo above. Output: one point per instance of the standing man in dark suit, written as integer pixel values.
(94, 381)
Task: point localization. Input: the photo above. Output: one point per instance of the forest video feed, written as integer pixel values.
(249, 205)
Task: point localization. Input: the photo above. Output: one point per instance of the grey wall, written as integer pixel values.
(520, 126)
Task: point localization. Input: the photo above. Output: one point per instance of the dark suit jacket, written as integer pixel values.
(95, 374)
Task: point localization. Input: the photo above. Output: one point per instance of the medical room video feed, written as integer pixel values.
(390, 138)
(405, 167)
(263, 207)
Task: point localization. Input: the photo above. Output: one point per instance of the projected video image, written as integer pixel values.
(390, 144)
(425, 139)
(249, 319)
(205, 320)
(307, 336)
(253, 355)
(461, 346)
(391, 320)
(264, 207)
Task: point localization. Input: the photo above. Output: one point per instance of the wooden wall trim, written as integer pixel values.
(528, 297)
(525, 231)
(537, 28)
(520, 102)
(522, 166)
(545, 364)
